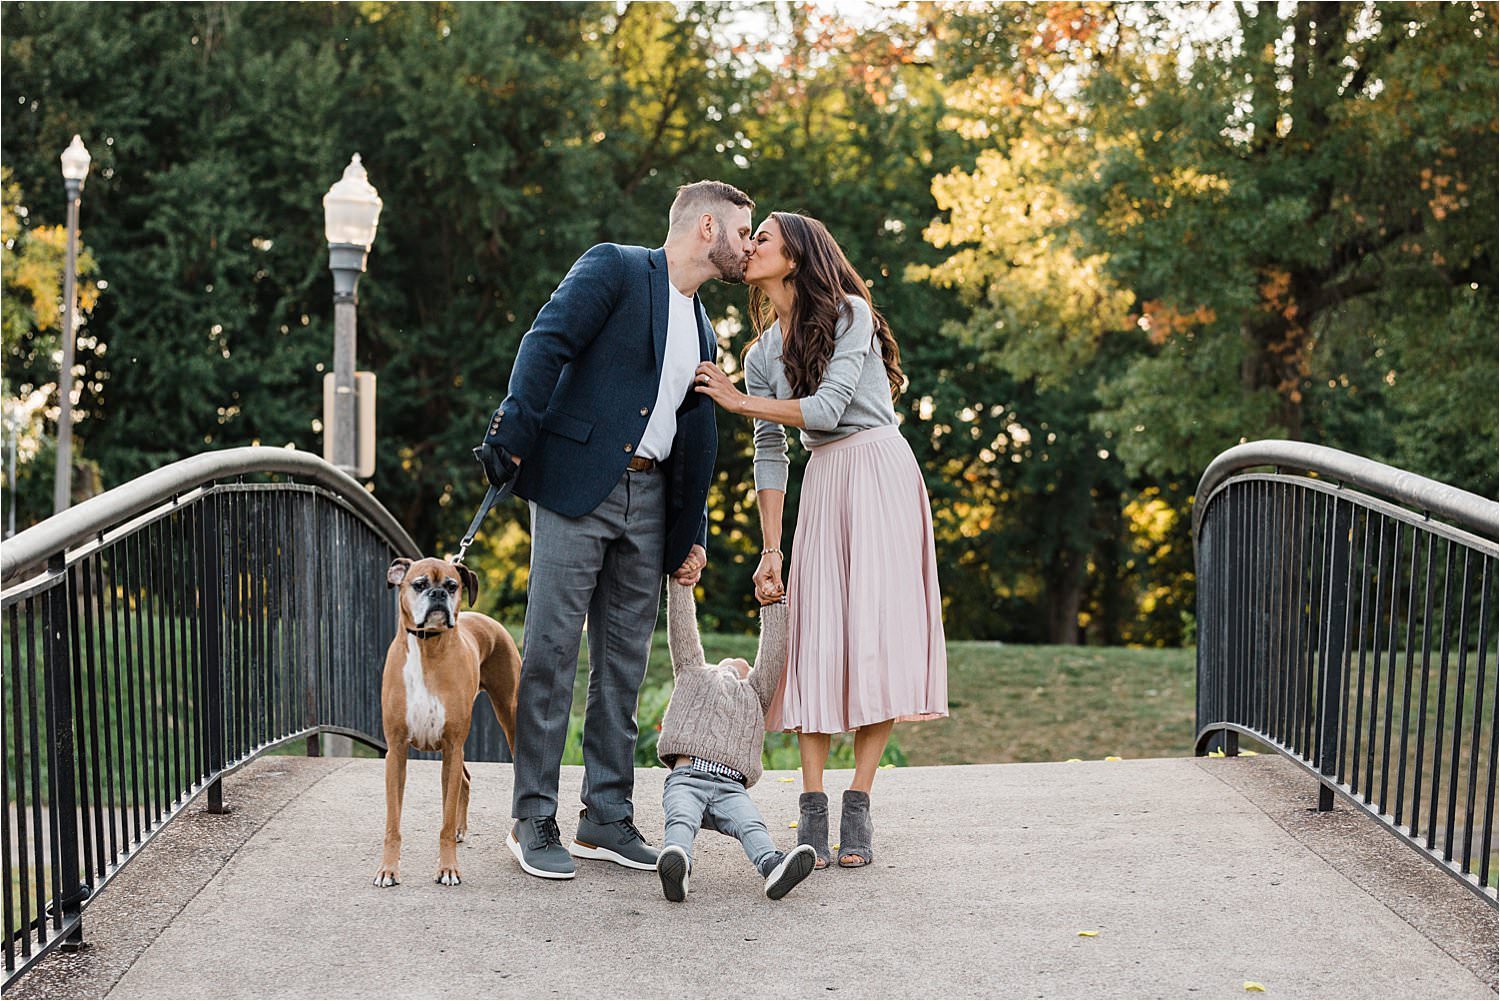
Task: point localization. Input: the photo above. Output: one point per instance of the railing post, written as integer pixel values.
(213, 650)
(309, 622)
(60, 764)
(1204, 608)
(1213, 653)
(1335, 646)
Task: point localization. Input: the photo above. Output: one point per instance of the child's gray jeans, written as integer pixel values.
(693, 799)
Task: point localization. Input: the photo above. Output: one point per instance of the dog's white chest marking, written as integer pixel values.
(424, 711)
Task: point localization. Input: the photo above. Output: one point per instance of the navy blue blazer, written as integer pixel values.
(583, 385)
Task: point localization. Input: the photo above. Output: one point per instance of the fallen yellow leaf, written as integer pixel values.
(1249, 754)
(787, 779)
(792, 824)
(1216, 753)
(835, 847)
(1251, 985)
(1113, 757)
(1088, 934)
(887, 766)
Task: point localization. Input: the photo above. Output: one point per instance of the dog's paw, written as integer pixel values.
(448, 876)
(388, 875)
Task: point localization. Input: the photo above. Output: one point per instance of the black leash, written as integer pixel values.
(492, 497)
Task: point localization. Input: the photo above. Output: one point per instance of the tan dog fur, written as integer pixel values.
(427, 696)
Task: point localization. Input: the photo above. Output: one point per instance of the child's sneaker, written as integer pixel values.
(672, 866)
(784, 870)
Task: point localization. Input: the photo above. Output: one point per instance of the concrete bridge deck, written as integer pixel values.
(1198, 875)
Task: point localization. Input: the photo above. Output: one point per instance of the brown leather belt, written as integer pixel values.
(640, 465)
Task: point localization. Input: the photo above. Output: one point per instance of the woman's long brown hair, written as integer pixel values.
(821, 278)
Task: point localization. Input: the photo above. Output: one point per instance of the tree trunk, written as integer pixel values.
(1111, 597)
(1277, 346)
(1064, 598)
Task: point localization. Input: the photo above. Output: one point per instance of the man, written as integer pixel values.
(614, 452)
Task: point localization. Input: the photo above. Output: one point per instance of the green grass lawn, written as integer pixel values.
(1052, 703)
(1010, 703)
(1023, 703)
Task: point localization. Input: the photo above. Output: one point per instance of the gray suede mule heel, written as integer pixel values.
(856, 834)
(812, 825)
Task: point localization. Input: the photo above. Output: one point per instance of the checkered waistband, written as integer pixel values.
(714, 768)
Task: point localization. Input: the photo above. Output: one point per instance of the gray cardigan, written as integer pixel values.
(854, 394)
(712, 713)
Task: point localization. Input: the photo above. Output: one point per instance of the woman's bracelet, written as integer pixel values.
(770, 552)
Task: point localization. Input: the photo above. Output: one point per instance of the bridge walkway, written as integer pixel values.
(1197, 876)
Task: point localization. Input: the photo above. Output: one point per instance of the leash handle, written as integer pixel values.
(492, 497)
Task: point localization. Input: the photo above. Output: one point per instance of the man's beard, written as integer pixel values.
(722, 255)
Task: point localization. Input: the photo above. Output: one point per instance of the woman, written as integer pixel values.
(866, 632)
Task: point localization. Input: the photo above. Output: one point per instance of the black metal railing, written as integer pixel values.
(161, 635)
(1346, 618)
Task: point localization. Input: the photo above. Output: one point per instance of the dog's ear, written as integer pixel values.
(471, 583)
(396, 572)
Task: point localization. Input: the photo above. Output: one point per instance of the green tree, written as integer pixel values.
(210, 131)
(504, 138)
(1311, 192)
(1150, 243)
(1042, 311)
(1196, 270)
(32, 263)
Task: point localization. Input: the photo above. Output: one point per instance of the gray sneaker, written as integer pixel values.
(617, 842)
(784, 871)
(673, 867)
(537, 845)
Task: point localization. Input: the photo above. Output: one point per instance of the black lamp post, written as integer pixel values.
(75, 169)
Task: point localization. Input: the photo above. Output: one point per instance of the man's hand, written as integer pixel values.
(499, 467)
(692, 567)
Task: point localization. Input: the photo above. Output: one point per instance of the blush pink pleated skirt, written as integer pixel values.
(865, 642)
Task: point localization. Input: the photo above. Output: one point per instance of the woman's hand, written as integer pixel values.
(711, 381)
(768, 584)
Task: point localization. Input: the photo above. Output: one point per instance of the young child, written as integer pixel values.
(711, 737)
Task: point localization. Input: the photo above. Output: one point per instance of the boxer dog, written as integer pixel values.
(436, 665)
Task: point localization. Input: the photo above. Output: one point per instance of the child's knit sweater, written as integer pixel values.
(712, 713)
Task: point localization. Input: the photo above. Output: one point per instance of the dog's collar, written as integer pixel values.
(426, 634)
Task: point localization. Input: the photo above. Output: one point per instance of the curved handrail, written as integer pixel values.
(1470, 511)
(1316, 594)
(175, 628)
(80, 522)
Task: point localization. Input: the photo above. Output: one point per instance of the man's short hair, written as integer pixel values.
(693, 200)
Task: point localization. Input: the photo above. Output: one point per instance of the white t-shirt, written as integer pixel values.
(677, 368)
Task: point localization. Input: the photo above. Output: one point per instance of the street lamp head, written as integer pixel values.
(75, 161)
(351, 209)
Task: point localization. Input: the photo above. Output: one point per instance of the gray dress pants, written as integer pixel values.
(607, 567)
